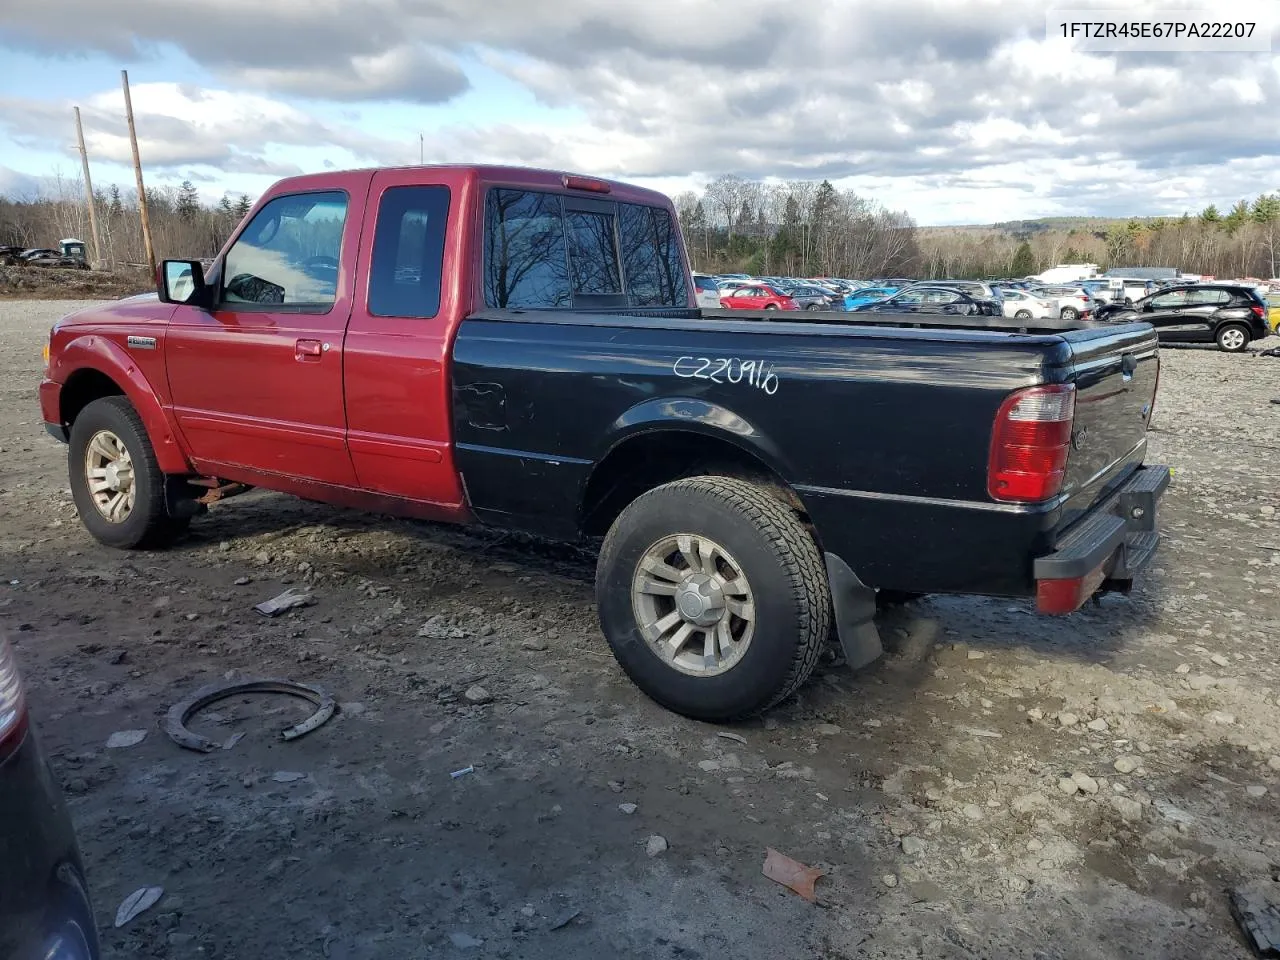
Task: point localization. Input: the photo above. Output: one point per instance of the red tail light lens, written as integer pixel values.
(13, 704)
(1258, 310)
(1030, 443)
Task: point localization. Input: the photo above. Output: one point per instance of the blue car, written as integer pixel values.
(868, 295)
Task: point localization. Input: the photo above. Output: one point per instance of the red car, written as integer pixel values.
(756, 296)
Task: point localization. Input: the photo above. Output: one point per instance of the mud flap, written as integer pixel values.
(853, 607)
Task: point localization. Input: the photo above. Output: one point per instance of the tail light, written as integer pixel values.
(1258, 311)
(13, 704)
(1030, 443)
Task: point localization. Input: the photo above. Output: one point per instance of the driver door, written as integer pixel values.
(1165, 312)
(256, 381)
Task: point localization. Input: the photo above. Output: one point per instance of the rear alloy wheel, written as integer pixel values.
(813, 306)
(118, 487)
(1233, 338)
(713, 597)
(1070, 313)
(771, 306)
(1022, 315)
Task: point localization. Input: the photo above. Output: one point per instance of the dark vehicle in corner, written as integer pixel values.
(1230, 315)
(45, 912)
(521, 348)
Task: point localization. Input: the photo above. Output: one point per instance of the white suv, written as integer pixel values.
(706, 291)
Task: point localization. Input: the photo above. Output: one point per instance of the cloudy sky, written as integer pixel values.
(958, 112)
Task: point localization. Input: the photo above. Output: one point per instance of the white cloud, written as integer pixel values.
(963, 99)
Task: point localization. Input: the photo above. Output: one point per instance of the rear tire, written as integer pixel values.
(776, 614)
(116, 483)
(771, 306)
(1022, 315)
(1070, 313)
(1233, 338)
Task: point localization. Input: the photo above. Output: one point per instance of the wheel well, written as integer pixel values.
(84, 387)
(649, 460)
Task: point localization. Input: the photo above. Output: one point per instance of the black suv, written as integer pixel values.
(1227, 314)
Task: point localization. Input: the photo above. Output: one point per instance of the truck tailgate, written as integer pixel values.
(1115, 370)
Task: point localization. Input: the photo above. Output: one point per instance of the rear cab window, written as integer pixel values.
(546, 251)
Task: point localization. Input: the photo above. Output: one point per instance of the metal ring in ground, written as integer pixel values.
(693, 604)
(175, 722)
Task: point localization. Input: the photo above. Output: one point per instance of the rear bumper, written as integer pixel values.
(44, 904)
(1106, 548)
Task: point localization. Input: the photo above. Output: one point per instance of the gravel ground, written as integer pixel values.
(1000, 785)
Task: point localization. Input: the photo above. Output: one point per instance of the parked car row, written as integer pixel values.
(894, 295)
(1230, 314)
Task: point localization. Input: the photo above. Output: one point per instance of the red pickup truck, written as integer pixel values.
(521, 348)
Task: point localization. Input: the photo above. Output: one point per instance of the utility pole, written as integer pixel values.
(88, 193)
(137, 170)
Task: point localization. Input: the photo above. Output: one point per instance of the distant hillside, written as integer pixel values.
(1042, 225)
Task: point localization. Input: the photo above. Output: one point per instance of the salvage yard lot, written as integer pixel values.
(1000, 785)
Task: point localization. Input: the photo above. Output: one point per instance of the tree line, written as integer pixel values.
(182, 226)
(734, 225)
(794, 228)
(809, 228)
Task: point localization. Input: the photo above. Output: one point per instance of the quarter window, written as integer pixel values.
(288, 255)
(408, 252)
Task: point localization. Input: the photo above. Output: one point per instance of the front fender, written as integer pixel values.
(99, 353)
(696, 416)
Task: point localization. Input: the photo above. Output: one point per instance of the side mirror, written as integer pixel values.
(182, 282)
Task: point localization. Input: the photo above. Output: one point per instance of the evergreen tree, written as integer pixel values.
(188, 204)
(1024, 261)
(115, 208)
(1266, 208)
(1240, 215)
(243, 206)
(1210, 214)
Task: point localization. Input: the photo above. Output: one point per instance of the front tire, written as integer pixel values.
(116, 483)
(1233, 338)
(713, 597)
(1022, 315)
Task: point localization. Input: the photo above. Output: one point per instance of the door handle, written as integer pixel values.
(307, 351)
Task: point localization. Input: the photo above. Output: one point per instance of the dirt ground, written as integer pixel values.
(53, 283)
(1000, 785)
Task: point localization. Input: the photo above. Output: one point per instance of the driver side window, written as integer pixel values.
(288, 255)
(1168, 301)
